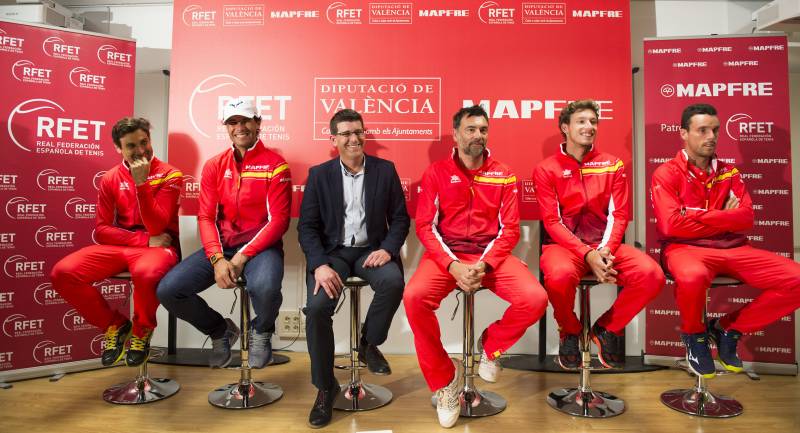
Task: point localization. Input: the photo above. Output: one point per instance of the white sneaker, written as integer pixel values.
(448, 406)
(488, 370)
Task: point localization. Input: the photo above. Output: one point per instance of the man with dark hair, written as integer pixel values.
(353, 221)
(137, 231)
(702, 208)
(245, 199)
(583, 202)
(468, 222)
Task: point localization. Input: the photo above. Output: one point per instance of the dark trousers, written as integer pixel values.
(387, 282)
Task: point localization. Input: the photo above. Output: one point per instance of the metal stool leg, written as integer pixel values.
(143, 389)
(583, 401)
(357, 395)
(245, 394)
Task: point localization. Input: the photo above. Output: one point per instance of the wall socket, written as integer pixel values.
(291, 324)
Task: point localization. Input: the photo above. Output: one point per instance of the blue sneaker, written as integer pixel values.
(221, 355)
(260, 347)
(698, 355)
(726, 342)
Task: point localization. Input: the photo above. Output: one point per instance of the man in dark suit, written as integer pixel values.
(353, 221)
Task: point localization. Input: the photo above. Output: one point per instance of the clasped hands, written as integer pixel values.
(468, 276)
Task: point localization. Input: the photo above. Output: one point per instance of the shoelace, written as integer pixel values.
(139, 344)
(110, 340)
(448, 400)
(258, 341)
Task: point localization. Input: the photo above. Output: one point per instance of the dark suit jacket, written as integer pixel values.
(322, 211)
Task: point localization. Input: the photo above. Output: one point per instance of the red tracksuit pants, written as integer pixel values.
(511, 281)
(73, 276)
(694, 267)
(639, 276)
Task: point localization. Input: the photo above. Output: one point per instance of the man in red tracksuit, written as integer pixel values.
(701, 207)
(583, 201)
(137, 231)
(468, 221)
(245, 199)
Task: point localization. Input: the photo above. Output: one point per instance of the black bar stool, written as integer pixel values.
(246, 393)
(357, 395)
(143, 389)
(699, 401)
(583, 401)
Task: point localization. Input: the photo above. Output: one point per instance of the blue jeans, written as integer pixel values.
(178, 290)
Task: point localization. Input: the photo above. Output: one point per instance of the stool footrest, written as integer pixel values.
(245, 395)
(141, 390)
(361, 396)
(701, 403)
(587, 404)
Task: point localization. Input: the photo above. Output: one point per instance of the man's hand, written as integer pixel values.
(225, 274)
(468, 277)
(328, 279)
(238, 260)
(731, 203)
(162, 240)
(377, 259)
(603, 270)
(605, 253)
(140, 169)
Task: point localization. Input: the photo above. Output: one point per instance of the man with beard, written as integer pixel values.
(137, 231)
(245, 198)
(702, 208)
(468, 222)
(583, 202)
(353, 221)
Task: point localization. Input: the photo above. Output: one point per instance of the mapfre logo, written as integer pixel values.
(78, 209)
(18, 266)
(8, 182)
(57, 48)
(97, 178)
(72, 321)
(81, 77)
(18, 325)
(339, 13)
(51, 237)
(195, 16)
(705, 90)
(55, 135)
(51, 180)
(48, 352)
(20, 208)
(294, 14)
(44, 294)
(664, 50)
(191, 187)
(490, 12)
(111, 55)
(741, 127)
(10, 44)
(593, 13)
(27, 72)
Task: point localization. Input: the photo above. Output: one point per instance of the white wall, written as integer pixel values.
(150, 23)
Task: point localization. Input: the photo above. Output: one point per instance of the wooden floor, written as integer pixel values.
(74, 403)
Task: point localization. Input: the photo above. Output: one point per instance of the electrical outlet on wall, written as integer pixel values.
(291, 324)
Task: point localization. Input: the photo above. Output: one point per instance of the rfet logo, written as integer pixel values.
(51, 237)
(55, 135)
(72, 321)
(27, 72)
(10, 44)
(19, 325)
(78, 209)
(742, 127)
(195, 16)
(490, 12)
(20, 208)
(97, 178)
(50, 179)
(191, 187)
(110, 55)
(57, 48)
(6, 300)
(8, 182)
(112, 290)
(98, 344)
(45, 294)
(48, 352)
(339, 13)
(6, 362)
(7, 241)
(83, 78)
(18, 266)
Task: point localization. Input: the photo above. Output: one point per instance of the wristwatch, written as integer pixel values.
(215, 258)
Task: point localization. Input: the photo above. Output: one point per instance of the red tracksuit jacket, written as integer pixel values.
(244, 202)
(583, 205)
(470, 212)
(128, 214)
(688, 204)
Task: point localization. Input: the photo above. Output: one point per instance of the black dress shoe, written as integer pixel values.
(322, 411)
(376, 363)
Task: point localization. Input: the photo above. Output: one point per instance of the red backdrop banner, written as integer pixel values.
(407, 67)
(746, 79)
(62, 93)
